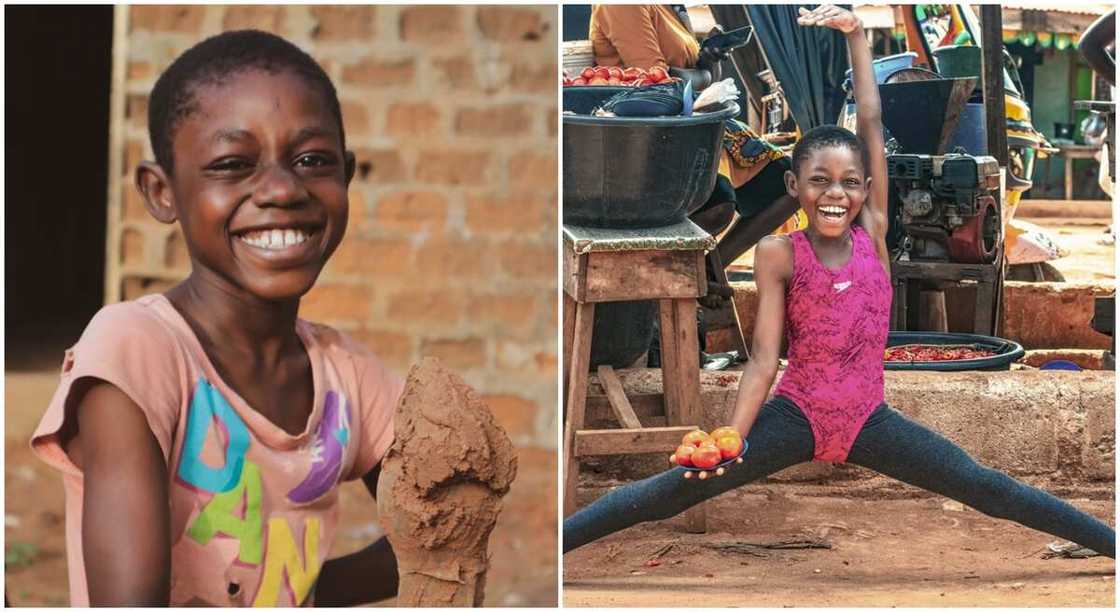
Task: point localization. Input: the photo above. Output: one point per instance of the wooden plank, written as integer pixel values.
(646, 406)
(617, 398)
(726, 317)
(991, 27)
(573, 273)
(641, 275)
(680, 365)
(577, 396)
(569, 327)
(930, 270)
(599, 442)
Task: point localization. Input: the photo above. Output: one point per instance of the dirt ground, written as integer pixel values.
(910, 552)
(522, 547)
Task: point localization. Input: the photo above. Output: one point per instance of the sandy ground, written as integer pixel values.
(910, 552)
(522, 547)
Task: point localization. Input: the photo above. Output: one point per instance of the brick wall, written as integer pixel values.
(451, 248)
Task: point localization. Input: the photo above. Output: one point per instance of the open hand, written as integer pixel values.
(829, 16)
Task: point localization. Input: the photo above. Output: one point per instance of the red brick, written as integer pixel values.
(510, 312)
(133, 155)
(456, 353)
(529, 261)
(494, 121)
(358, 209)
(411, 211)
(437, 306)
(393, 348)
(255, 17)
(453, 167)
(133, 287)
(533, 169)
(372, 256)
(180, 18)
(139, 70)
(507, 24)
(133, 203)
(522, 212)
(517, 415)
(451, 259)
(136, 109)
(381, 73)
(355, 118)
(334, 302)
(334, 23)
(175, 255)
(534, 77)
(132, 247)
(440, 24)
(457, 71)
(379, 165)
(546, 364)
(408, 120)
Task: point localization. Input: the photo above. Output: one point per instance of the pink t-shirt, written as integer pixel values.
(253, 509)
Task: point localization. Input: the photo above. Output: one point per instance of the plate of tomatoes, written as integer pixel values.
(617, 76)
(702, 454)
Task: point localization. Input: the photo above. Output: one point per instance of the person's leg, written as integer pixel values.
(780, 437)
(763, 206)
(896, 446)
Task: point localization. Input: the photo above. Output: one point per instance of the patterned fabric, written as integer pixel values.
(836, 327)
(745, 154)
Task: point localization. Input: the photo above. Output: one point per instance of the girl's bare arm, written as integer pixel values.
(869, 122)
(126, 543)
(773, 264)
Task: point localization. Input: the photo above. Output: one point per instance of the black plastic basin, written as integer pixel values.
(633, 172)
(1006, 351)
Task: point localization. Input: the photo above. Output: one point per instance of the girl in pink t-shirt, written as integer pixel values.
(203, 433)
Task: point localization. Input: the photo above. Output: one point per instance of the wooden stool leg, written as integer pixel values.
(569, 323)
(728, 312)
(577, 399)
(680, 375)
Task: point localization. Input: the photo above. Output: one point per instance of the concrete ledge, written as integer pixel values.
(1052, 428)
(1036, 315)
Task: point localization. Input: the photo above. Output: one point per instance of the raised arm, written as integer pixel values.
(869, 122)
(773, 264)
(126, 536)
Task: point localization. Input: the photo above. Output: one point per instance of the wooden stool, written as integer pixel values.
(907, 277)
(607, 265)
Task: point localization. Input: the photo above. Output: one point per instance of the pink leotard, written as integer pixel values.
(836, 328)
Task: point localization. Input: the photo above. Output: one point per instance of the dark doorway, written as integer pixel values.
(58, 67)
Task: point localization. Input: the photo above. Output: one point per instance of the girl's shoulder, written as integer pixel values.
(140, 324)
(775, 255)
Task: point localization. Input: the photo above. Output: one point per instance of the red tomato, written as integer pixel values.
(587, 74)
(579, 81)
(695, 438)
(614, 82)
(632, 73)
(726, 430)
(684, 454)
(614, 72)
(597, 81)
(729, 446)
(602, 72)
(706, 457)
(658, 74)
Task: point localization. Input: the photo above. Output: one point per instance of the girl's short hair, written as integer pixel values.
(824, 136)
(215, 60)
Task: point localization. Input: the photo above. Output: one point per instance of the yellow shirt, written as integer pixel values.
(644, 36)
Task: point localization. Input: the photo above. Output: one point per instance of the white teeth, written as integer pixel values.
(833, 210)
(275, 238)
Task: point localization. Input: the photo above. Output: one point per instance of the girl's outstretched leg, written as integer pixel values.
(898, 447)
(780, 437)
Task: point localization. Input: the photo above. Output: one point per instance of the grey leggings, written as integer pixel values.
(889, 443)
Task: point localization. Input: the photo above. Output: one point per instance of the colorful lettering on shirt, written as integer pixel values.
(221, 516)
(328, 449)
(208, 405)
(283, 557)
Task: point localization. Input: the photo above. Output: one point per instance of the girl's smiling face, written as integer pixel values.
(259, 183)
(831, 186)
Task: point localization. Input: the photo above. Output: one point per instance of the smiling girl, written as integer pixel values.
(829, 288)
(203, 433)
